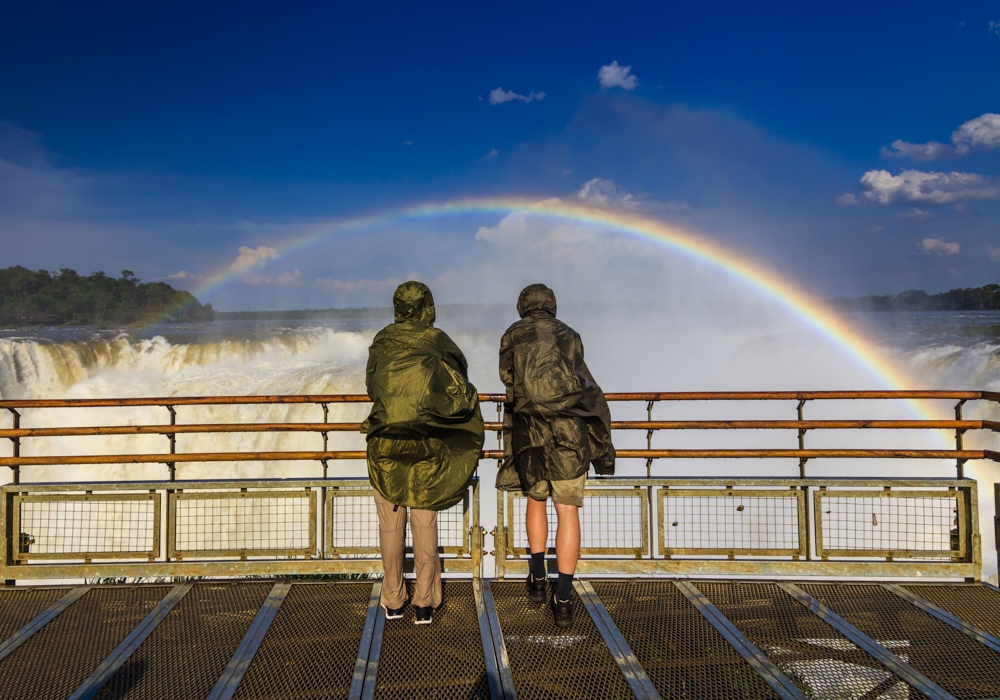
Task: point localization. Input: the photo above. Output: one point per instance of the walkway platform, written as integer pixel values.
(643, 638)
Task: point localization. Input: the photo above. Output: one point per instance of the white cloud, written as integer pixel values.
(847, 200)
(916, 216)
(981, 132)
(290, 279)
(613, 75)
(606, 193)
(938, 246)
(252, 258)
(491, 155)
(499, 96)
(994, 27)
(362, 285)
(993, 254)
(407, 143)
(918, 187)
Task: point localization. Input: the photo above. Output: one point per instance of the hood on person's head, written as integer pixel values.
(536, 297)
(413, 302)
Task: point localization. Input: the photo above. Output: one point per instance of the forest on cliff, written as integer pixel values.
(66, 297)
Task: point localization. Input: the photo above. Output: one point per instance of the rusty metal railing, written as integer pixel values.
(818, 547)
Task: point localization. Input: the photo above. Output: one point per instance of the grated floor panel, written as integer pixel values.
(311, 646)
(187, 652)
(60, 656)
(959, 664)
(548, 662)
(819, 660)
(441, 660)
(683, 655)
(976, 604)
(19, 606)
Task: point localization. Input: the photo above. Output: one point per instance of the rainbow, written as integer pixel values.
(801, 304)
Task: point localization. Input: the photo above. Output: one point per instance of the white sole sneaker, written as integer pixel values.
(393, 616)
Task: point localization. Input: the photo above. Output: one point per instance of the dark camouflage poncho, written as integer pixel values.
(556, 419)
(425, 430)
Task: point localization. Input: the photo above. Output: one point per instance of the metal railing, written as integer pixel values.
(172, 513)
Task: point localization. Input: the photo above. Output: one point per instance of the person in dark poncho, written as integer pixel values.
(425, 433)
(556, 424)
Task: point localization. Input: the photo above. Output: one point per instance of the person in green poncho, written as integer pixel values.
(556, 424)
(425, 434)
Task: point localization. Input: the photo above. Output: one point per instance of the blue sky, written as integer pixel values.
(170, 138)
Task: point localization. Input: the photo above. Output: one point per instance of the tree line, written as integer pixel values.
(985, 298)
(66, 297)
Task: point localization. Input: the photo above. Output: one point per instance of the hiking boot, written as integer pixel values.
(424, 615)
(393, 613)
(562, 610)
(537, 588)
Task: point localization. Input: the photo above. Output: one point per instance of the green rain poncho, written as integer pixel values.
(556, 419)
(425, 431)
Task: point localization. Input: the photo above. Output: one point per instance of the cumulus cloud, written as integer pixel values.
(993, 254)
(994, 28)
(605, 193)
(847, 200)
(918, 187)
(252, 258)
(499, 96)
(938, 246)
(916, 216)
(613, 75)
(983, 132)
(492, 154)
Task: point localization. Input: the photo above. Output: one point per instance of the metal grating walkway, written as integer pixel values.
(640, 638)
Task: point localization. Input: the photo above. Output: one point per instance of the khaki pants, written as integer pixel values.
(426, 561)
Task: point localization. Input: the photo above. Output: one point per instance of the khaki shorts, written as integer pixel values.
(568, 492)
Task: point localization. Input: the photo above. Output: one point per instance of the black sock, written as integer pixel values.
(538, 565)
(564, 589)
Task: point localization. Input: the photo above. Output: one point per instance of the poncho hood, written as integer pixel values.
(413, 301)
(536, 298)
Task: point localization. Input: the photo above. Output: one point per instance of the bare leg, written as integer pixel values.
(537, 524)
(567, 536)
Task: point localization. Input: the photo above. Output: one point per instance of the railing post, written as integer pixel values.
(173, 444)
(16, 469)
(959, 432)
(802, 441)
(326, 435)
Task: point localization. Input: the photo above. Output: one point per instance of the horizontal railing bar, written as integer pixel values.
(614, 396)
(161, 458)
(615, 425)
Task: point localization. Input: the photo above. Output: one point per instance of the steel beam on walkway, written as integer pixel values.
(374, 654)
(489, 652)
(499, 646)
(117, 658)
(759, 661)
(895, 664)
(225, 688)
(946, 617)
(364, 648)
(42, 619)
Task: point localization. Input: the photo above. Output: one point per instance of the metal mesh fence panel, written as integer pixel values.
(683, 655)
(214, 523)
(187, 652)
(19, 607)
(610, 519)
(959, 664)
(353, 524)
(974, 603)
(60, 656)
(549, 662)
(112, 525)
(818, 659)
(443, 660)
(311, 646)
(724, 522)
(903, 525)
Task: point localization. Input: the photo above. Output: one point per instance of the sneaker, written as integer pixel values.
(424, 615)
(537, 588)
(562, 610)
(393, 613)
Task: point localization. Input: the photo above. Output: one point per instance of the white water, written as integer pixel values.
(664, 351)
